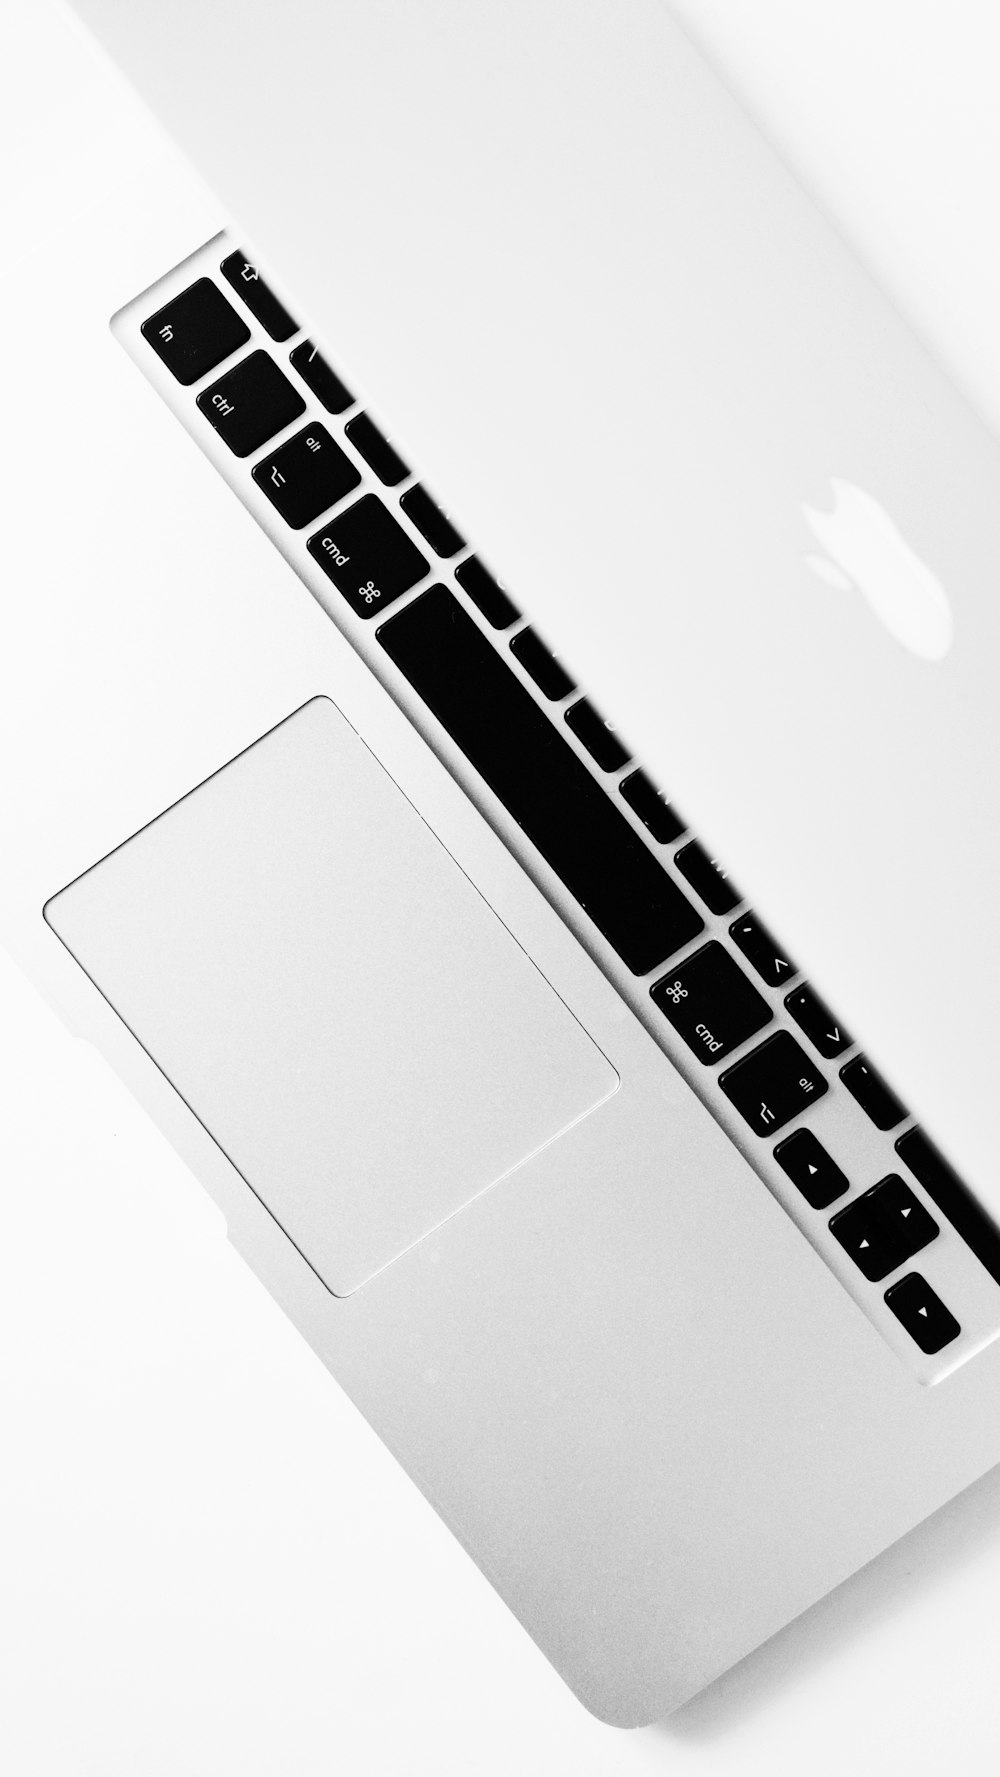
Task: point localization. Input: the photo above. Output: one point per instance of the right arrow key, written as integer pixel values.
(884, 1227)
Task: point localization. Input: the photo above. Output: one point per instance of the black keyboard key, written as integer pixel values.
(773, 1084)
(317, 376)
(883, 1228)
(598, 737)
(811, 1169)
(929, 1323)
(368, 556)
(534, 772)
(711, 1004)
(250, 403)
(873, 1095)
(760, 949)
(707, 878)
(486, 593)
(378, 453)
(825, 1032)
(195, 330)
(548, 673)
(652, 807)
(306, 475)
(431, 522)
(952, 1197)
(258, 296)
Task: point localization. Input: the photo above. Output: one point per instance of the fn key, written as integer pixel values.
(773, 1084)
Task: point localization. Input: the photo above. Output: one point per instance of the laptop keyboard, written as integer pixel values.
(722, 996)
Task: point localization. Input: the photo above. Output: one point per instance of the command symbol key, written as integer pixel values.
(710, 1003)
(368, 556)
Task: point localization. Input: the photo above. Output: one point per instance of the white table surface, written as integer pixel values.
(209, 1567)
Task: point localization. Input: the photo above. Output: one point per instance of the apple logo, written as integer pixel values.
(866, 553)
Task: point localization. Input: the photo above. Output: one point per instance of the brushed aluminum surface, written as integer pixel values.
(647, 1409)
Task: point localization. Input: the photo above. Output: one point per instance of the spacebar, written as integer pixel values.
(539, 779)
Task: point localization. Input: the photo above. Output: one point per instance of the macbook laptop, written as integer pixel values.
(555, 936)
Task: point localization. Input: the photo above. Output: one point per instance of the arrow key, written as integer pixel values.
(884, 1227)
(825, 1032)
(811, 1169)
(922, 1313)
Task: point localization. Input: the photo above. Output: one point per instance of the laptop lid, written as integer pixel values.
(683, 424)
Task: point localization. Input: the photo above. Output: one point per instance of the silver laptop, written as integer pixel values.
(562, 938)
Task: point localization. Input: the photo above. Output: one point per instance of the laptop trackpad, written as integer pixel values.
(331, 996)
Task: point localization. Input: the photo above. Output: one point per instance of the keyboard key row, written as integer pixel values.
(880, 1231)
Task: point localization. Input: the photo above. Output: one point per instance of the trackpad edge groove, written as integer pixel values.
(331, 996)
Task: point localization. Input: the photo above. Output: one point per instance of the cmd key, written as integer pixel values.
(711, 1004)
(368, 556)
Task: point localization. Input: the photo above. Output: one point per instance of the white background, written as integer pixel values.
(208, 1565)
